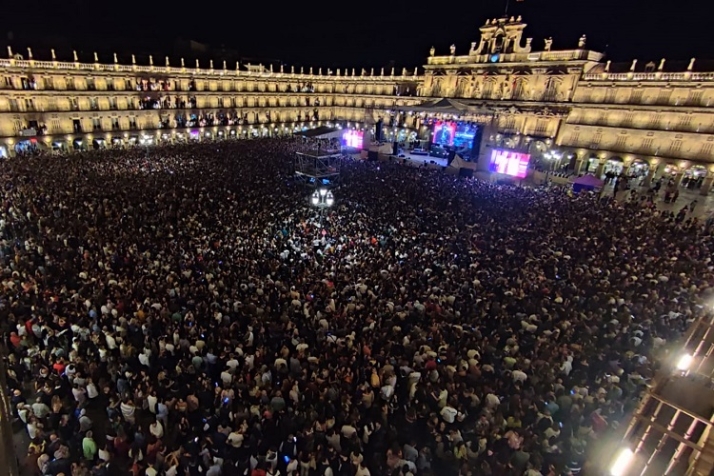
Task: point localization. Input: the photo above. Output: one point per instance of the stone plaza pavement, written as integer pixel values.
(703, 209)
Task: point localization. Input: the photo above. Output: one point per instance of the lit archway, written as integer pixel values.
(670, 170)
(638, 168)
(592, 164)
(694, 176)
(614, 165)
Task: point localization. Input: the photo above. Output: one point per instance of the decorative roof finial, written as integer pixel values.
(548, 44)
(634, 65)
(310, 70)
(224, 65)
(381, 73)
(52, 52)
(416, 71)
(302, 69)
(292, 70)
(74, 56)
(519, 19)
(404, 71)
(607, 66)
(116, 60)
(9, 52)
(210, 64)
(691, 64)
(353, 71)
(167, 62)
(319, 71)
(133, 59)
(29, 53)
(282, 69)
(271, 67)
(96, 57)
(452, 49)
(183, 64)
(392, 71)
(661, 65)
(197, 64)
(151, 60)
(432, 51)
(581, 42)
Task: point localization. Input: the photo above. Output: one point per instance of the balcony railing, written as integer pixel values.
(32, 64)
(132, 107)
(656, 76)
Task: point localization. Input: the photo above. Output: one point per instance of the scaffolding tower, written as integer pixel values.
(320, 168)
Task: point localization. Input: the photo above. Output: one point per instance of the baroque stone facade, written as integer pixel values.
(652, 119)
(92, 104)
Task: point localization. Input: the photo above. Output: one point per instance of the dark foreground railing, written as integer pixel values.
(8, 458)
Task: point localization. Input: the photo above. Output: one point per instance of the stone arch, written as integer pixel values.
(695, 171)
(614, 164)
(670, 169)
(638, 167)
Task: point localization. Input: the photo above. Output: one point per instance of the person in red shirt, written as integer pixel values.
(59, 366)
(15, 339)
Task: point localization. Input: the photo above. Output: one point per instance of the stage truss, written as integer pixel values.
(318, 168)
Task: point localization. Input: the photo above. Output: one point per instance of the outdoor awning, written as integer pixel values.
(322, 132)
(449, 106)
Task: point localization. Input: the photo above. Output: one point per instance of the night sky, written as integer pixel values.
(368, 33)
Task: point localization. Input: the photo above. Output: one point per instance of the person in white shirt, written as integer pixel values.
(156, 429)
(34, 428)
(362, 470)
(111, 342)
(40, 409)
(92, 391)
(151, 400)
(127, 410)
(448, 413)
(226, 378)
(519, 376)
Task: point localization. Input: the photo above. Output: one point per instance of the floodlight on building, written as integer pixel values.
(622, 462)
(684, 362)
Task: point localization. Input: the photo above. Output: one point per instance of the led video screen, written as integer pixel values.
(464, 136)
(353, 139)
(510, 163)
(444, 133)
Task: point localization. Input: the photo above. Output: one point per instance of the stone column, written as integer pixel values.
(579, 162)
(600, 169)
(706, 185)
(678, 179)
(650, 176)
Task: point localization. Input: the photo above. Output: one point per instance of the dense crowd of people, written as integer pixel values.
(183, 310)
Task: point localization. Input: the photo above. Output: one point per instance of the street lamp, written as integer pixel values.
(322, 199)
(551, 157)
